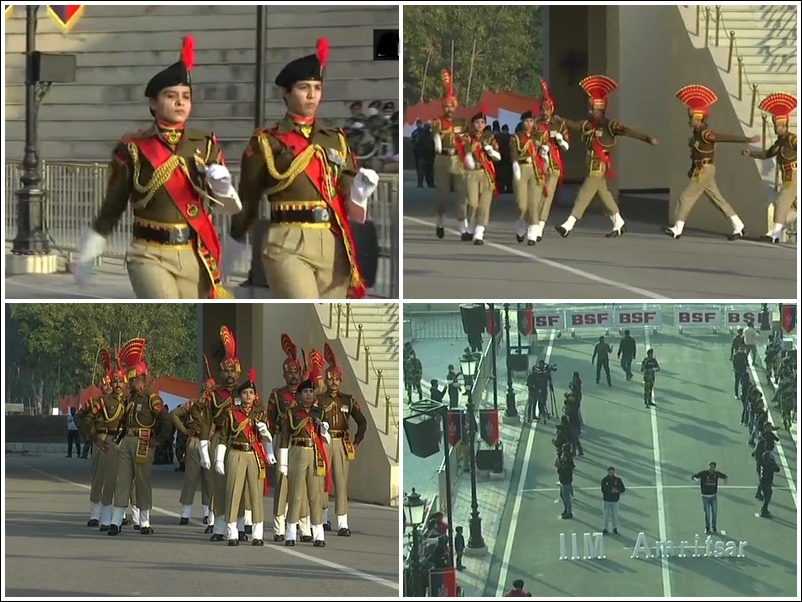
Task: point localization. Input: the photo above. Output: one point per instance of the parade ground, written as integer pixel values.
(49, 550)
(643, 264)
(655, 451)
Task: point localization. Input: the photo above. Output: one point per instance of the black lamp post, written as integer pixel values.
(415, 509)
(512, 411)
(476, 543)
(494, 351)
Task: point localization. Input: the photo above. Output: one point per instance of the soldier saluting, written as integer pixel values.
(173, 176)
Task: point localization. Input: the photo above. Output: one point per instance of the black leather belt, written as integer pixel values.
(702, 162)
(337, 434)
(303, 443)
(449, 152)
(526, 161)
(318, 215)
(243, 447)
(133, 432)
(172, 235)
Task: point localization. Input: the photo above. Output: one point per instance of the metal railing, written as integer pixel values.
(75, 194)
(341, 322)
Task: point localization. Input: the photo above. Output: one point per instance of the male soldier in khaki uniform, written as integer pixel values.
(600, 135)
(556, 140)
(780, 105)
(528, 170)
(449, 174)
(337, 408)
(703, 172)
(480, 150)
(244, 450)
(649, 367)
(305, 462)
(194, 420)
(315, 190)
(172, 175)
(147, 426)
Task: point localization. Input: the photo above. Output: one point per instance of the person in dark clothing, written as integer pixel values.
(517, 590)
(504, 167)
(571, 410)
(737, 342)
(459, 547)
(453, 386)
(611, 487)
(708, 481)
(563, 438)
(417, 151)
(435, 392)
(627, 350)
(565, 475)
(740, 370)
(575, 387)
(539, 384)
(768, 468)
(601, 357)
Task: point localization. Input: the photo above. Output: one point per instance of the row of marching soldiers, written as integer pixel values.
(233, 437)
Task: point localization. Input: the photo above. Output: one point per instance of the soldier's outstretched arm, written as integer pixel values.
(711, 136)
(763, 154)
(575, 126)
(252, 183)
(619, 129)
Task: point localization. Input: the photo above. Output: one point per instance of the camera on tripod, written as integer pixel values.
(550, 368)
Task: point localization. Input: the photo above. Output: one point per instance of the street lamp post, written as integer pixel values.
(512, 411)
(494, 351)
(415, 511)
(476, 543)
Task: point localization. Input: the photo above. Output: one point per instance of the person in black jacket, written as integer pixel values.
(627, 350)
(611, 487)
(740, 370)
(601, 357)
(708, 480)
(565, 474)
(768, 469)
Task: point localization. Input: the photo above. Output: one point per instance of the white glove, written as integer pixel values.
(561, 141)
(492, 153)
(363, 186)
(438, 143)
(271, 457)
(357, 125)
(205, 462)
(219, 460)
(234, 253)
(92, 245)
(544, 151)
(225, 196)
(470, 164)
(516, 171)
(263, 431)
(283, 457)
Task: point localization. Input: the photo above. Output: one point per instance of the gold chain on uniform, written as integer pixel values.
(161, 175)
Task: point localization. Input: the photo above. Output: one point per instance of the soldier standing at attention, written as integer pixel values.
(250, 450)
(555, 138)
(649, 367)
(173, 176)
(481, 150)
(337, 408)
(528, 169)
(448, 173)
(147, 426)
(315, 190)
(194, 420)
(600, 135)
(780, 105)
(703, 172)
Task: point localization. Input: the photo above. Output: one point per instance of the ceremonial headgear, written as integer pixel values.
(780, 105)
(314, 370)
(482, 114)
(598, 88)
(531, 113)
(177, 74)
(698, 99)
(119, 371)
(230, 359)
(104, 359)
(333, 369)
(291, 350)
(132, 356)
(306, 68)
(547, 102)
(248, 383)
(448, 92)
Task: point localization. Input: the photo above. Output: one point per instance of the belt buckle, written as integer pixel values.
(179, 236)
(321, 215)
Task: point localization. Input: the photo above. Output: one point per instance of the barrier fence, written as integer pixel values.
(75, 193)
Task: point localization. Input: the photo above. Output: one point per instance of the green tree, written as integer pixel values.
(56, 345)
(507, 54)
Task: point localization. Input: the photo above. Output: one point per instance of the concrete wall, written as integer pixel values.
(119, 48)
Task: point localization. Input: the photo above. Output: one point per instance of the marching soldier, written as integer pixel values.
(649, 367)
(146, 426)
(194, 420)
(244, 450)
(780, 105)
(173, 176)
(304, 461)
(337, 408)
(480, 151)
(527, 176)
(449, 175)
(555, 138)
(703, 172)
(315, 192)
(600, 135)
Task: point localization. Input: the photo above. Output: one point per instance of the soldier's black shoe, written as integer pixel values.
(441, 232)
(478, 242)
(319, 543)
(519, 238)
(93, 522)
(289, 542)
(216, 537)
(669, 232)
(113, 530)
(539, 238)
(344, 532)
(258, 542)
(242, 536)
(249, 529)
(306, 538)
(146, 530)
(616, 233)
(126, 522)
(466, 237)
(104, 528)
(136, 527)
(209, 529)
(233, 542)
(278, 537)
(562, 231)
(737, 235)
(530, 243)
(183, 521)
(770, 239)
(327, 526)
(206, 520)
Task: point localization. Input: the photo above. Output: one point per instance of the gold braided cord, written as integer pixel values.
(117, 413)
(161, 176)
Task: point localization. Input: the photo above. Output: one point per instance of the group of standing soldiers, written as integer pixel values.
(231, 443)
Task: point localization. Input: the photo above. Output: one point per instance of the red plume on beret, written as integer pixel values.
(188, 52)
(322, 51)
(252, 375)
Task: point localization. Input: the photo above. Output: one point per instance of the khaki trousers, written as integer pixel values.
(218, 503)
(528, 193)
(280, 495)
(164, 272)
(304, 485)
(448, 175)
(194, 473)
(108, 466)
(551, 189)
(96, 490)
(243, 483)
(305, 263)
(702, 182)
(785, 199)
(478, 197)
(128, 471)
(339, 466)
(592, 186)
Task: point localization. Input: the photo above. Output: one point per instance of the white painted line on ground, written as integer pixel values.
(629, 487)
(658, 481)
(789, 476)
(284, 550)
(59, 292)
(501, 586)
(554, 264)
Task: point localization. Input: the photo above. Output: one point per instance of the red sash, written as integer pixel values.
(186, 200)
(256, 446)
(556, 155)
(297, 143)
(478, 149)
(538, 162)
(600, 154)
(320, 449)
